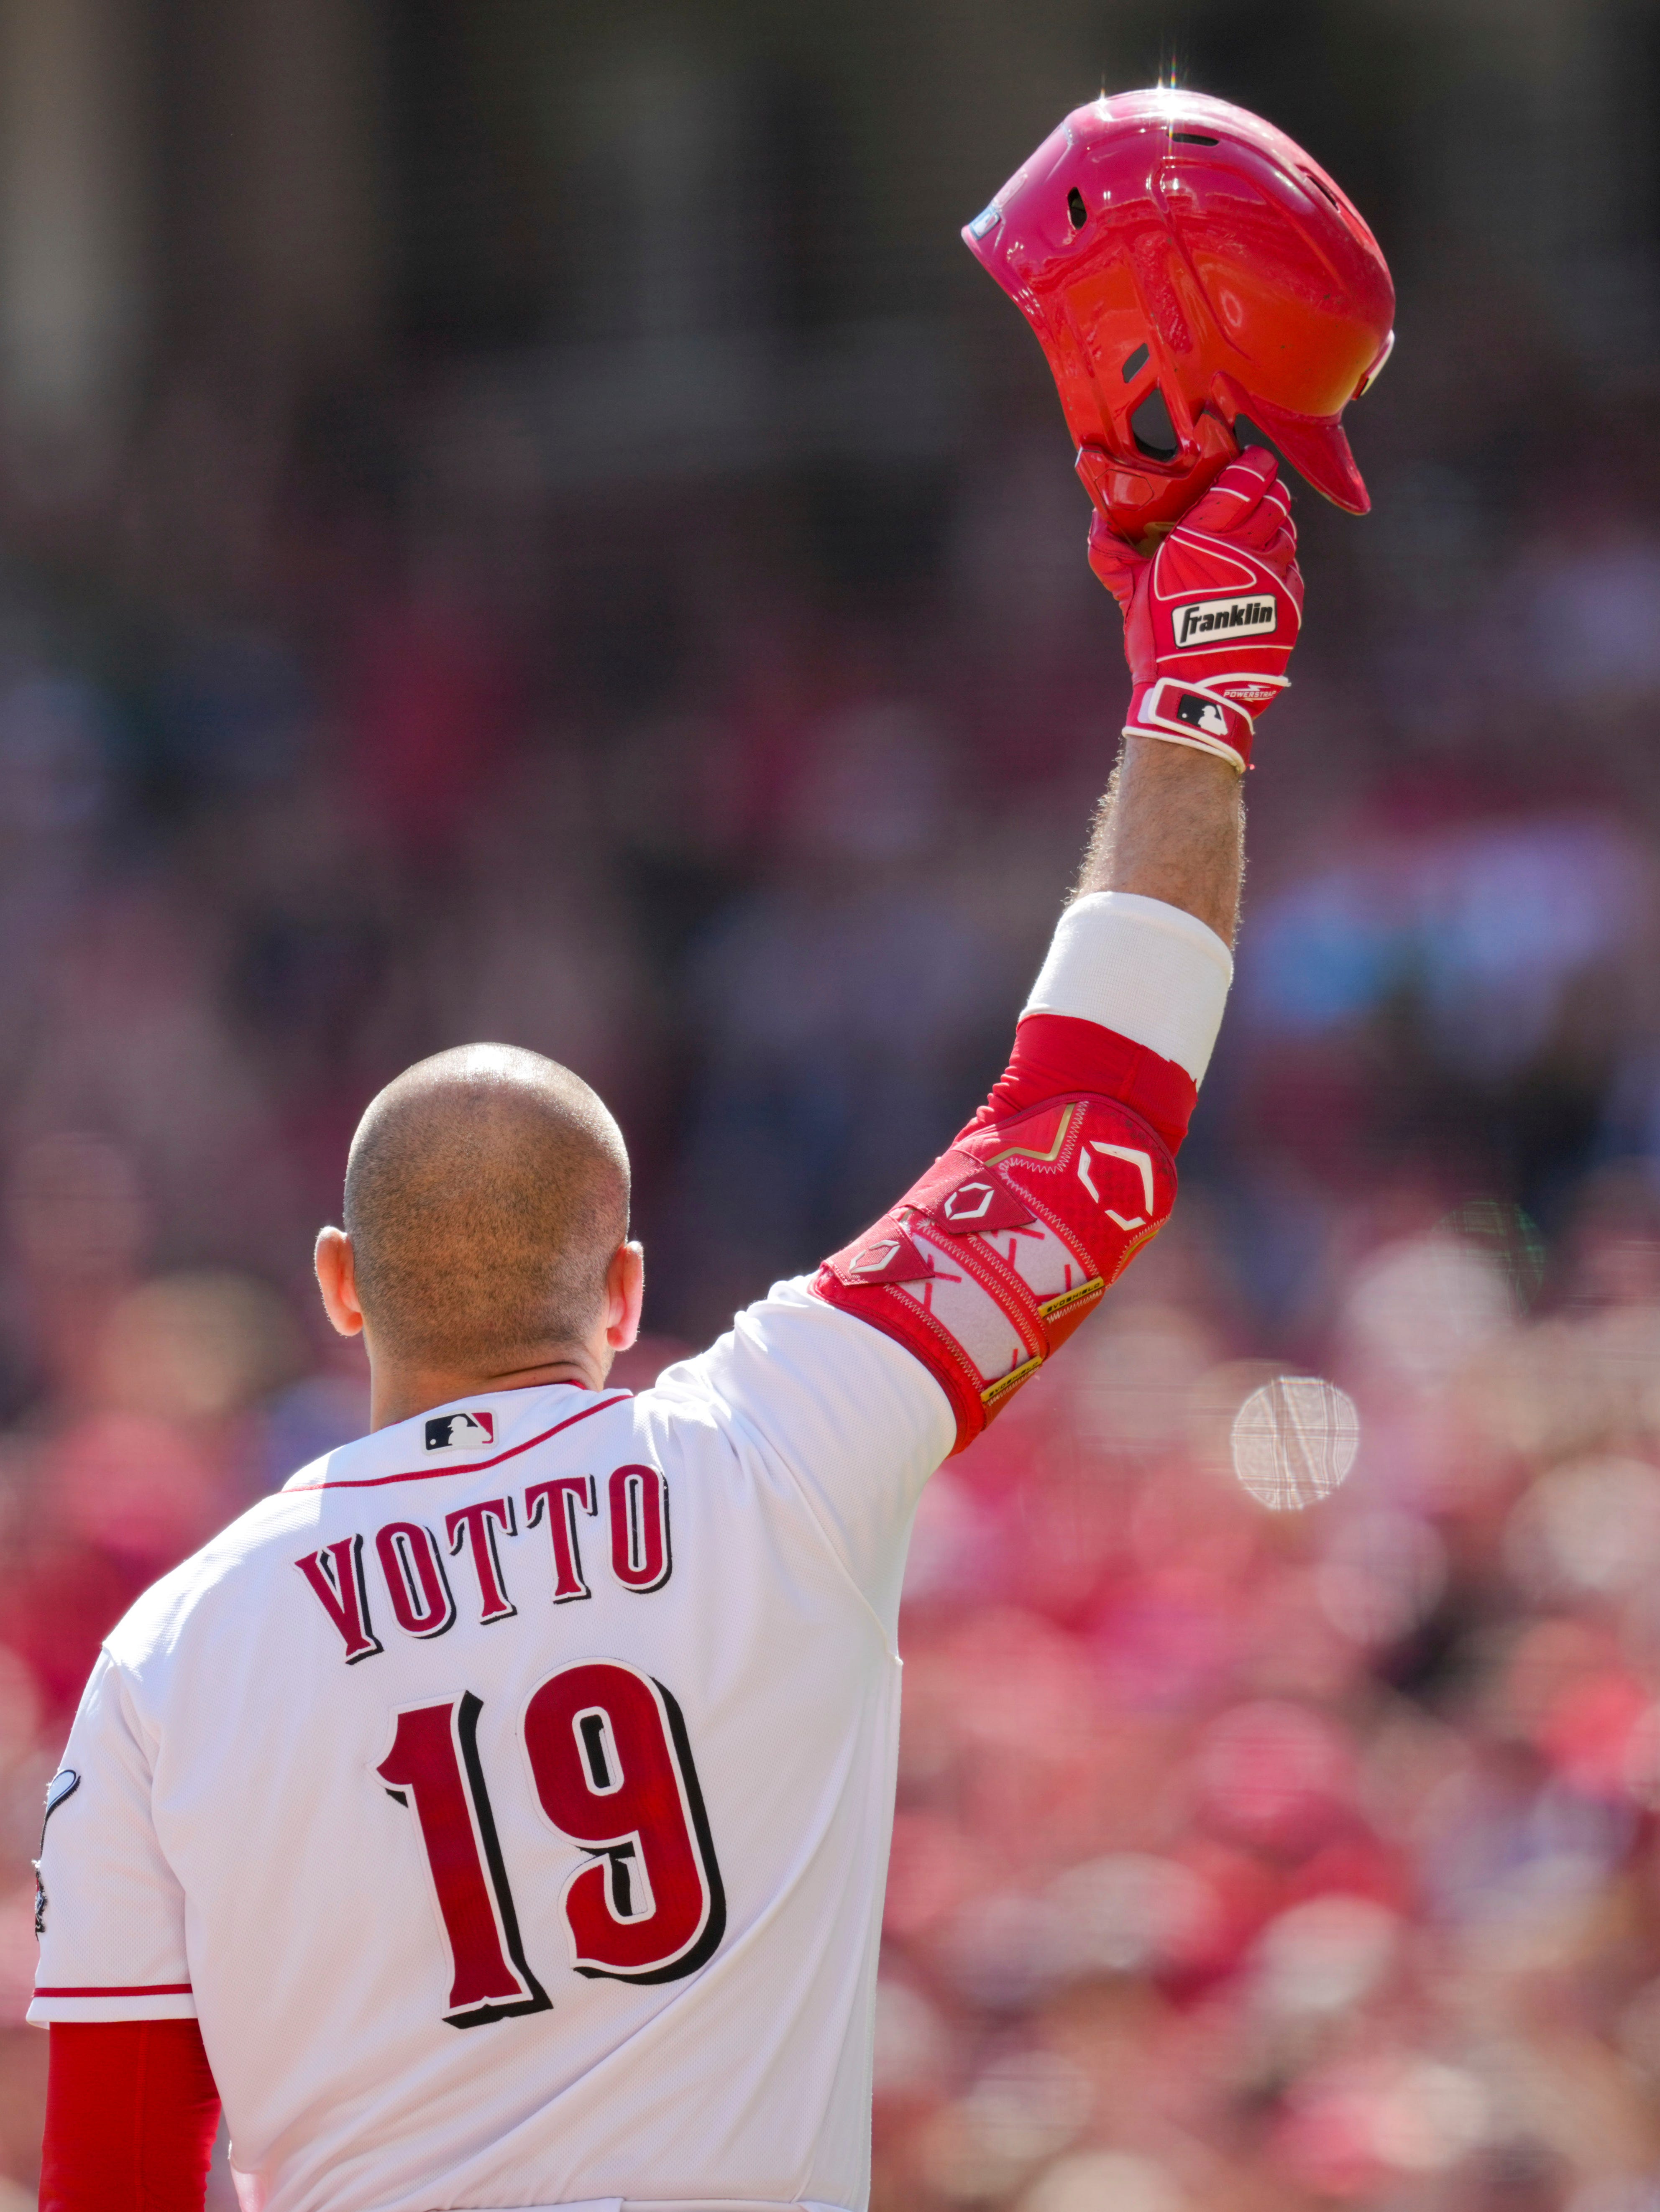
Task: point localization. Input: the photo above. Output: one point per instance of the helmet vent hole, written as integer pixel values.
(1153, 431)
(1194, 139)
(1076, 210)
(1135, 364)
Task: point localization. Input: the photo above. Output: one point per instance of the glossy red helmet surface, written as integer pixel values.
(1170, 247)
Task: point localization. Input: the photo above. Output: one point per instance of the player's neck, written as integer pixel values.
(396, 1394)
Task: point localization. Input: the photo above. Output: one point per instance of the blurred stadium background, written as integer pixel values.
(524, 521)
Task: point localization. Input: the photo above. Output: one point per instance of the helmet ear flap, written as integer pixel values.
(1134, 494)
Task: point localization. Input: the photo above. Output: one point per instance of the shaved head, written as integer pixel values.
(486, 1191)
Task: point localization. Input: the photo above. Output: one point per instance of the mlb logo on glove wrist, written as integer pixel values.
(1191, 714)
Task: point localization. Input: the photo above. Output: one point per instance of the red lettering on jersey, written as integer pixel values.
(473, 1525)
(434, 1760)
(415, 1582)
(640, 1555)
(613, 1772)
(561, 1497)
(336, 1576)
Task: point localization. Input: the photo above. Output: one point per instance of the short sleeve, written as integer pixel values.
(857, 1421)
(110, 1910)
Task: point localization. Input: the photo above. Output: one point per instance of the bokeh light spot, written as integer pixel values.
(1294, 1441)
(1507, 1238)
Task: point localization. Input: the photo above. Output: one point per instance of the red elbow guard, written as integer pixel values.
(988, 1263)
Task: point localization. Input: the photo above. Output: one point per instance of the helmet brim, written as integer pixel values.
(1318, 451)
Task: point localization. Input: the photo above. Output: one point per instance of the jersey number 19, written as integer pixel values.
(613, 1772)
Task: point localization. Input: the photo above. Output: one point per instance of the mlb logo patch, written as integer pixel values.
(445, 1431)
(1202, 714)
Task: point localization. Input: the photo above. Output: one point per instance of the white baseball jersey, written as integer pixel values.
(510, 1796)
(514, 1819)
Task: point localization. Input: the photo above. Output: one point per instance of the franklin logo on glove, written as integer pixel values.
(1206, 617)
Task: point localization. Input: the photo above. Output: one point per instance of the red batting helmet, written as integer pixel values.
(1183, 262)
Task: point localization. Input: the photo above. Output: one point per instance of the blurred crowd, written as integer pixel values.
(1266, 1858)
(1259, 1845)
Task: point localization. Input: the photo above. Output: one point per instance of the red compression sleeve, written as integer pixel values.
(131, 2113)
(1055, 1054)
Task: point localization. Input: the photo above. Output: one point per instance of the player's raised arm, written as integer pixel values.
(991, 1260)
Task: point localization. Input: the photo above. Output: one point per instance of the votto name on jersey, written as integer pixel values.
(397, 1574)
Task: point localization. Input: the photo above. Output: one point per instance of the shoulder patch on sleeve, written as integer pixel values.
(64, 1783)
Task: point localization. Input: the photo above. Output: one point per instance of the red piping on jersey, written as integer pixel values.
(472, 1466)
(134, 1989)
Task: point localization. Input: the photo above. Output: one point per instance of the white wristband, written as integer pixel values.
(1152, 972)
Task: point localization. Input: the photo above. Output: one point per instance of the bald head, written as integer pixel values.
(486, 1191)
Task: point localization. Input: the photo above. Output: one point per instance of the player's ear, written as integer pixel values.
(337, 1278)
(625, 1291)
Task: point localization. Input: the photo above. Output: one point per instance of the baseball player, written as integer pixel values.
(498, 1814)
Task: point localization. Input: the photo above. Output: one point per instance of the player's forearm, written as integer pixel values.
(989, 1262)
(1171, 826)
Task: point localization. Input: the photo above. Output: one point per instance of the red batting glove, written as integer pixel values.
(1210, 620)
